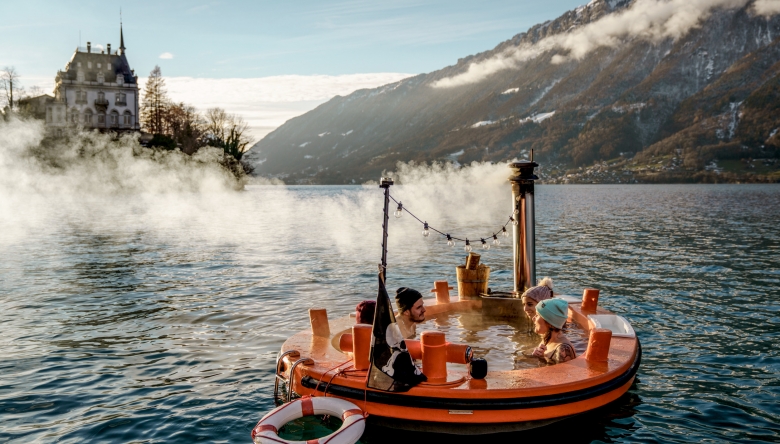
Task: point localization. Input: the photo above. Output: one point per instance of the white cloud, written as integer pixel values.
(166, 55)
(767, 7)
(267, 102)
(653, 20)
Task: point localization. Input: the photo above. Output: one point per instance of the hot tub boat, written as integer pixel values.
(332, 358)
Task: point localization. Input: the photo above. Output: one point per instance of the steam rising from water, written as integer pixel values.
(101, 186)
(653, 20)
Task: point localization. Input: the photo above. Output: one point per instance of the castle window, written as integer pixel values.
(121, 99)
(101, 77)
(128, 118)
(120, 79)
(74, 115)
(81, 97)
(89, 65)
(114, 118)
(78, 64)
(98, 65)
(88, 117)
(102, 96)
(80, 75)
(102, 118)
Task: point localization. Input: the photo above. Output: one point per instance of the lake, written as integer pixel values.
(157, 317)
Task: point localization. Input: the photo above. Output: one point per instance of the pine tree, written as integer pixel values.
(154, 103)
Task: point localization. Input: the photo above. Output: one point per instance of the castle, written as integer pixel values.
(96, 90)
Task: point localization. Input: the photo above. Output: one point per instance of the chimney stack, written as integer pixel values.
(89, 46)
(108, 48)
(522, 180)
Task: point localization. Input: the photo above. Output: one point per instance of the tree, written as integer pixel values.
(227, 131)
(185, 125)
(9, 81)
(155, 103)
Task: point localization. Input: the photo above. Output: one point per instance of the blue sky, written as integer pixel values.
(228, 40)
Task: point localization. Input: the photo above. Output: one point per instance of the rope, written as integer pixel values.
(447, 235)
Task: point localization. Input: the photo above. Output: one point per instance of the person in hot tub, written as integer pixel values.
(550, 317)
(411, 311)
(537, 294)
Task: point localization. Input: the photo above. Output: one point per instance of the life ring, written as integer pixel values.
(267, 430)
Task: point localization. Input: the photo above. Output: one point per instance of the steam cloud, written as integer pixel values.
(767, 7)
(99, 186)
(653, 20)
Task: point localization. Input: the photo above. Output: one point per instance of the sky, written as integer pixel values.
(267, 61)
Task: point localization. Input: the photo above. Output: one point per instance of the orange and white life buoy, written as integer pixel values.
(267, 430)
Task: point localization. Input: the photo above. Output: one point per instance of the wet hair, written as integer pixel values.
(548, 335)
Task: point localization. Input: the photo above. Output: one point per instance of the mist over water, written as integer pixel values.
(148, 301)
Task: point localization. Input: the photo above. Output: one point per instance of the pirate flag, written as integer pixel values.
(392, 367)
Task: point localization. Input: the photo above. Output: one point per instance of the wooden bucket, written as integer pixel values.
(472, 283)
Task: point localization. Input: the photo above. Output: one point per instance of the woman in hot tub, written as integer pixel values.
(551, 315)
(537, 294)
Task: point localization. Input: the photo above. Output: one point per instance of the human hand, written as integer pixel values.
(539, 351)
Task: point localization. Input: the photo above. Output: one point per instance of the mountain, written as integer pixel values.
(661, 105)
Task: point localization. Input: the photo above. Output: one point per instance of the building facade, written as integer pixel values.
(96, 90)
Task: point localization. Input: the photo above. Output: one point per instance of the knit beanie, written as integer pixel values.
(405, 298)
(554, 311)
(541, 292)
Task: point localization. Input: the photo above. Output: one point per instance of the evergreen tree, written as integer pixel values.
(154, 103)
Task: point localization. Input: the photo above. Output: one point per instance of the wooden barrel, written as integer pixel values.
(472, 283)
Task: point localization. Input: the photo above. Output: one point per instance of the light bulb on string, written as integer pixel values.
(450, 241)
(496, 242)
(485, 245)
(514, 221)
(504, 232)
(400, 209)
(426, 232)
(517, 211)
(467, 248)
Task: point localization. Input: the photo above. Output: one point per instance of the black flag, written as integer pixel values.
(392, 367)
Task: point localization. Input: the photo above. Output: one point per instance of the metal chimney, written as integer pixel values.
(89, 46)
(522, 180)
(108, 48)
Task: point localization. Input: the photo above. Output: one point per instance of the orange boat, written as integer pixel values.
(332, 358)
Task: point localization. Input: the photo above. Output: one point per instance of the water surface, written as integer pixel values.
(118, 325)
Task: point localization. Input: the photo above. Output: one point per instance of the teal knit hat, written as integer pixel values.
(554, 311)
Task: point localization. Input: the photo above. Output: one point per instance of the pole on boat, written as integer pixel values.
(522, 180)
(385, 183)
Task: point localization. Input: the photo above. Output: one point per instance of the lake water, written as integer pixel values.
(158, 318)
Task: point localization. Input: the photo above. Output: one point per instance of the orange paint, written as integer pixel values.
(607, 359)
(434, 356)
(319, 322)
(361, 334)
(455, 353)
(598, 345)
(442, 290)
(590, 299)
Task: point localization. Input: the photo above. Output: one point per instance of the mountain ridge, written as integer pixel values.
(634, 107)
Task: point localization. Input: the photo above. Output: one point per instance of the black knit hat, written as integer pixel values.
(405, 298)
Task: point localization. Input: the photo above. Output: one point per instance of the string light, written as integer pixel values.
(517, 211)
(451, 239)
(399, 211)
